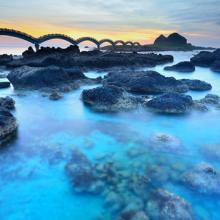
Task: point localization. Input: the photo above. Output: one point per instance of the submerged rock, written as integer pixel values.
(55, 96)
(211, 99)
(37, 77)
(197, 85)
(181, 67)
(212, 151)
(172, 103)
(203, 178)
(109, 99)
(144, 82)
(165, 143)
(168, 206)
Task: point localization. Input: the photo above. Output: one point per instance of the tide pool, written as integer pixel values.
(33, 181)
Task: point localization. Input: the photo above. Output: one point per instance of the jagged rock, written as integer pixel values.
(29, 52)
(203, 178)
(109, 99)
(144, 82)
(210, 99)
(7, 103)
(55, 96)
(4, 85)
(197, 85)
(203, 58)
(181, 67)
(171, 103)
(39, 77)
(168, 206)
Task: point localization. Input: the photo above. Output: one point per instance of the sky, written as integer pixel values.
(140, 20)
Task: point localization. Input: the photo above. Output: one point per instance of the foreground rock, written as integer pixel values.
(187, 67)
(39, 77)
(109, 99)
(144, 82)
(171, 103)
(208, 59)
(4, 85)
(203, 178)
(167, 206)
(8, 124)
(197, 85)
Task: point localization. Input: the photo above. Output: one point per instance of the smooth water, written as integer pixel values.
(33, 182)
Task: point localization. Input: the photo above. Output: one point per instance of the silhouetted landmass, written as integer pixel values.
(174, 42)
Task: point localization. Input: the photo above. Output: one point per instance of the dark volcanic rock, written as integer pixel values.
(171, 103)
(197, 85)
(215, 67)
(168, 206)
(90, 60)
(5, 59)
(203, 178)
(4, 85)
(7, 103)
(144, 82)
(109, 99)
(8, 124)
(181, 67)
(204, 58)
(38, 77)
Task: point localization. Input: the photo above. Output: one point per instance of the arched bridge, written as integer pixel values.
(44, 38)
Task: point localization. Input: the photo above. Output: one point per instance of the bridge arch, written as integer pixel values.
(83, 39)
(106, 41)
(18, 34)
(117, 42)
(129, 43)
(137, 44)
(47, 37)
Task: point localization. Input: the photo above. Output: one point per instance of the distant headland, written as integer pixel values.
(173, 42)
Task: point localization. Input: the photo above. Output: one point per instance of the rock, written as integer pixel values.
(144, 82)
(7, 103)
(80, 170)
(8, 125)
(114, 201)
(172, 103)
(131, 215)
(165, 143)
(197, 85)
(215, 67)
(55, 96)
(203, 178)
(173, 40)
(39, 77)
(108, 99)
(212, 151)
(210, 99)
(5, 59)
(4, 85)
(47, 57)
(203, 58)
(181, 67)
(168, 206)
(29, 52)
(197, 105)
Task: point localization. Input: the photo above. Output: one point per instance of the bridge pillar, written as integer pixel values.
(37, 46)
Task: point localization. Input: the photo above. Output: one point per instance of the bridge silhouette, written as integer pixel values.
(38, 41)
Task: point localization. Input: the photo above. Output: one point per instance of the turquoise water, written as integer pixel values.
(33, 182)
